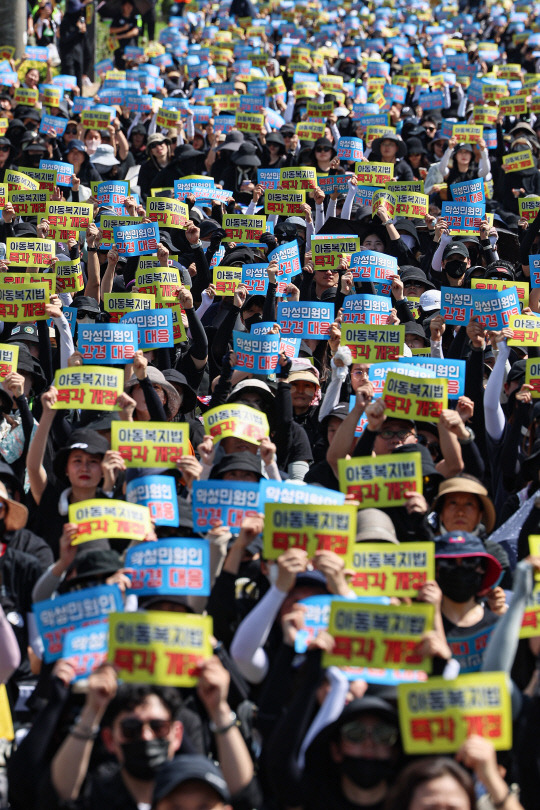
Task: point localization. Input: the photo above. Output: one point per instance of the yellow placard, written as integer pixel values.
(319, 109)
(150, 444)
(29, 96)
(327, 252)
(485, 116)
(169, 213)
(163, 282)
(374, 131)
(530, 624)
(515, 105)
(298, 178)
(467, 133)
(73, 216)
(310, 130)
(380, 636)
(104, 518)
(276, 86)
(45, 178)
(532, 376)
(158, 647)
(30, 252)
(69, 277)
(374, 174)
(90, 388)
(29, 203)
(381, 481)
(421, 399)
(243, 228)
(95, 119)
(518, 161)
(405, 187)
(19, 181)
(227, 279)
(6, 722)
(529, 207)
(30, 279)
(526, 331)
(521, 287)
(179, 331)
(437, 716)
(382, 569)
(9, 356)
(284, 203)
(107, 224)
(309, 527)
(412, 205)
(240, 421)
(52, 96)
(534, 104)
(118, 304)
(249, 122)
(382, 199)
(373, 344)
(167, 119)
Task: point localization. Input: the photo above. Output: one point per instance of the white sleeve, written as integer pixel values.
(443, 165)
(153, 125)
(67, 346)
(493, 412)
(484, 166)
(330, 209)
(332, 706)
(436, 348)
(190, 127)
(349, 200)
(251, 636)
(251, 208)
(289, 109)
(436, 261)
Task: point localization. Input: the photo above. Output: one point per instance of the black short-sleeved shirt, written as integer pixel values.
(118, 22)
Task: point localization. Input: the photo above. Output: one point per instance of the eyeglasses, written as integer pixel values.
(4, 148)
(359, 733)
(401, 434)
(71, 130)
(132, 728)
(358, 372)
(323, 149)
(83, 313)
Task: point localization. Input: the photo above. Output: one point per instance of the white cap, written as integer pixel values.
(430, 300)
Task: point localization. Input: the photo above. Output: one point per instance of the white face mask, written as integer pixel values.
(408, 239)
(205, 244)
(86, 319)
(91, 145)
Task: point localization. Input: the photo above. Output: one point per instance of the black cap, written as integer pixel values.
(82, 439)
(455, 249)
(246, 461)
(87, 303)
(24, 332)
(517, 372)
(186, 768)
(409, 272)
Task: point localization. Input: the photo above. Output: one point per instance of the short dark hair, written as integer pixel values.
(131, 695)
(425, 770)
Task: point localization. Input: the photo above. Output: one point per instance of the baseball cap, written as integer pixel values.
(187, 768)
(455, 249)
(430, 300)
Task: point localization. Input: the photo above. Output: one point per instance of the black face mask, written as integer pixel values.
(142, 758)
(459, 585)
(253, 320)
(456, 268)
(250, 570)
(366, 773)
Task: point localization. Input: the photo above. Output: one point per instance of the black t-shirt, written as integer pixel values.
(130, 21)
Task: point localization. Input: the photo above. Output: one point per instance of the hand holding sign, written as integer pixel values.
(291, 563)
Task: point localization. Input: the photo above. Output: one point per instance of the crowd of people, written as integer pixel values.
(409, 132)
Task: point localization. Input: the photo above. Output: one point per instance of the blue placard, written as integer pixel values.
(64, 171)
(494, 307)
(368, 309)
(306, 320)
(65, 80)
(452, 370)
(158, 493)
(334, 182)
(82, 103)
(534, 269)
(288, 258)
(104, 66)
(86, 648)
(54, 617)
(369, 265)
(289, 492)
(107, 344)
(317, 615)
(227, 501)
(434, 100)
(36, 53)
(170, 566)
(225, 123)
(394, 92)
(456, 305)
(199, 188)
(257, 354)
(201, 113)
(53, 122)
(112, 193)
(364, 195)
(254, 104)
(70, 314)
(155, 327)
(463, 217)
(268, 178)
(469, 191)
(350, 149)
(139, 239)
(255, 278)
(365, 109)
(139, 104)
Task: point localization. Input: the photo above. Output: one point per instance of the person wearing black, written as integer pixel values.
(125, 28)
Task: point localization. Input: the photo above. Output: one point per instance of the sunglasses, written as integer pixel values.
(389, 434)
(71, 130)
(325, 270)
(357, 733)
(4, 148)
(132, 728)
(469, 563)
(430, 129)
(323, 149)
(82, 313)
